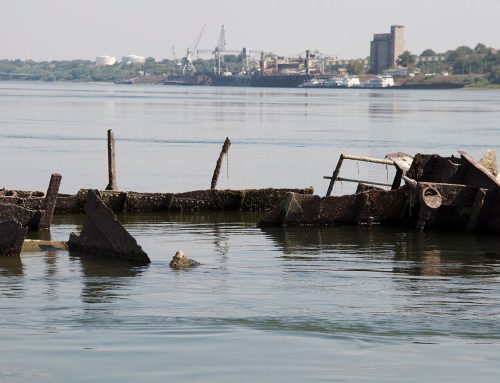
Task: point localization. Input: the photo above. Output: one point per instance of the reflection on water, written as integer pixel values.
(413, 253)
(11, 277)
(103, 278)
(448, 254)
(50, 259)
(11, 266)
(376, 286)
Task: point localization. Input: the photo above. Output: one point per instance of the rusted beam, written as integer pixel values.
(368, 159)
(396, 183)
(215, 177)
(111, 162)
(335, 175)
(357, 181)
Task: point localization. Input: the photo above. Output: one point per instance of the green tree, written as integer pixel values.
(406, 59)
(481, 49)
(355, 67)
(460, 53)
(428, 52)
(149, 65)
(494, 75)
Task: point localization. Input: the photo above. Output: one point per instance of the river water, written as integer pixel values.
(274, 305)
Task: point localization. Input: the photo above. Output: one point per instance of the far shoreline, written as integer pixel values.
(416, 86)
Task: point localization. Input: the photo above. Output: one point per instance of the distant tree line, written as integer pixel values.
(86, 70)
(464, 60)
(481, 60)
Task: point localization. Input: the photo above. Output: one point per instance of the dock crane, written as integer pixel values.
(220, 49)
(191, 52)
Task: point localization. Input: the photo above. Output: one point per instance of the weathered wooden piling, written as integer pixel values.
(49, 203)
(111, 162)
(225, 148)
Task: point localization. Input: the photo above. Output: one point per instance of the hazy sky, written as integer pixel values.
(68, 29)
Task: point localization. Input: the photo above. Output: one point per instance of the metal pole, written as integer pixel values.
(368, 159)
(111, 162)
(358, 181)
(225, 148)
(335, 175)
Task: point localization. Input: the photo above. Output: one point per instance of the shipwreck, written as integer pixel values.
(428, 192)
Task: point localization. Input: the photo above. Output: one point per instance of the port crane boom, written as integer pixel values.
(191, 53)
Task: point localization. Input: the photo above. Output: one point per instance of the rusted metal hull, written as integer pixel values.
(368, 207)
(118, 201)
(450, 193)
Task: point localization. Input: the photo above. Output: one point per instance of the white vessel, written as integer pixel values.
(350, 82)
(342, 82)
(379, 82)
(313, 83)
(334, 82)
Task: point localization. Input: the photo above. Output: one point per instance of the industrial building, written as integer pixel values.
(385, 48)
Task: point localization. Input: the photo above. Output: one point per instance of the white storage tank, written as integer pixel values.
(133, 59)
(105, 60)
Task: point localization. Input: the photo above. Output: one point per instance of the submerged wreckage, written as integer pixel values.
(428, 192)
(451, 193)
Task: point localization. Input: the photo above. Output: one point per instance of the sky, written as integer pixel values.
(84, 29)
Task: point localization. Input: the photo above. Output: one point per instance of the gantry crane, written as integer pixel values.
(191, 52)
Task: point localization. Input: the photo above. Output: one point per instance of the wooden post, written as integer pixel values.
(111, 162)
(335, 175)
(50, 201)
(225, 148)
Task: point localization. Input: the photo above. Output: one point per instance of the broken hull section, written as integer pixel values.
(446, 193)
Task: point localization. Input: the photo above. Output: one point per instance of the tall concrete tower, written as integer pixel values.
(397, 43)
(385, 49)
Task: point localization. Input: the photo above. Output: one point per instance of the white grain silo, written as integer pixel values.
(133, 59)
(105, 60)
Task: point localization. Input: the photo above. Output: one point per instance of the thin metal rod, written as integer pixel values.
(357, 181)
(368, 159)
(335, 175)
